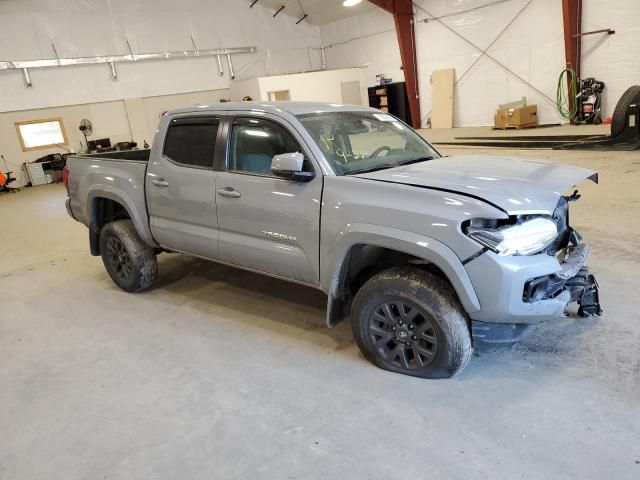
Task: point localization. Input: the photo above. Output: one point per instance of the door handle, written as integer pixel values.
(160, 182)
(229, 192)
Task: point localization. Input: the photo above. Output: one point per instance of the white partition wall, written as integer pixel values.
(240, 89)
(321, 86)
(333, 86)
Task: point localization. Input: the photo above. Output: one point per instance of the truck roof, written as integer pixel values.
(294, 108)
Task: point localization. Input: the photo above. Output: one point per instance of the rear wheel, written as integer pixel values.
(129, 261)
(409, 321)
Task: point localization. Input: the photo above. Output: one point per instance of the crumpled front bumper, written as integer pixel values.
(532, 289)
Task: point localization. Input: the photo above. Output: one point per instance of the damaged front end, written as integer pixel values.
(574, 280)
(537, 295)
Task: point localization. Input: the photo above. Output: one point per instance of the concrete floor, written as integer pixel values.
(222, 374)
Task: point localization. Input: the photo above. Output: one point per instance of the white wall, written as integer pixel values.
(375, 46)
(101, 27)
(532, 47)
(109, 120)
(243, 88)
(614, 59)
(129, 107)
(321, 86)
(120, 120)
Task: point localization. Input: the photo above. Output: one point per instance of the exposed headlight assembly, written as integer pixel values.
(522, 238)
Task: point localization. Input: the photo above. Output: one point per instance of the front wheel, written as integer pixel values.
(409, 321)
(130, 262)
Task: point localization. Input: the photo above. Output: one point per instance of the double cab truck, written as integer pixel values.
(427, 255)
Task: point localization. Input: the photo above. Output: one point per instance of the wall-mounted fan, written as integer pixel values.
(87, 129)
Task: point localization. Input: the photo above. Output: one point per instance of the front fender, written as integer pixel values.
(411, 243)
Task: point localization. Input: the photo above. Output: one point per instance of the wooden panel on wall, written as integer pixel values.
(442, 90)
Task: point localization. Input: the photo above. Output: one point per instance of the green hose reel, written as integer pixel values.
(565, 109)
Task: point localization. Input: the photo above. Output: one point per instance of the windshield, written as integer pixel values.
(358, 142)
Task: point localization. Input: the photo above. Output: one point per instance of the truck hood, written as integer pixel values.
(515, 185)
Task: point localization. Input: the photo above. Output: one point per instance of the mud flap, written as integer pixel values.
(590, 299)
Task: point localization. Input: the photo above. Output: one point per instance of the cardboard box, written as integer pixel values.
(516, 117)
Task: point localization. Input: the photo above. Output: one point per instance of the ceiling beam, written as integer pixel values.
(402, 11)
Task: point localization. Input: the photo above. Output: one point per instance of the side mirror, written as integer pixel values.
(289, 165)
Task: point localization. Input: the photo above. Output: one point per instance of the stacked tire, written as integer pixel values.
(619, 118)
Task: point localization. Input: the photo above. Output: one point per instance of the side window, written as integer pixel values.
(255, 142)
(191, 141)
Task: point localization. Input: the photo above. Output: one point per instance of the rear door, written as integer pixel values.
(180, 186)
(267, 223)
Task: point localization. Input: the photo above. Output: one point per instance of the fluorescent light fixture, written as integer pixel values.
(350, 3)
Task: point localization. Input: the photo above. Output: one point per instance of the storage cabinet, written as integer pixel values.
(391, 98)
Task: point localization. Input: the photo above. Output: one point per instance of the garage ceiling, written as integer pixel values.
(319, 11)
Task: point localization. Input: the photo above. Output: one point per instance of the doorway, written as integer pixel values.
(280, 96)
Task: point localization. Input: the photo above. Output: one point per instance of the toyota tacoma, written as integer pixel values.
(427, 255)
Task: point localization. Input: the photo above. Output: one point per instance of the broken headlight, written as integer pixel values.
(524, 237)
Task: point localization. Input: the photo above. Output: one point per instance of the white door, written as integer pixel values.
(351, 93)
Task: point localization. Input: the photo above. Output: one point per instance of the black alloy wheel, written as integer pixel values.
(118, 259)
(410, 321)
(130, 262)
(402, 334)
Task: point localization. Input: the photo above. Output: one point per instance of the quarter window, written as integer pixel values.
(191, 141)
(254, 143)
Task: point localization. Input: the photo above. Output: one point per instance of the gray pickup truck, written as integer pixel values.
(427, 255)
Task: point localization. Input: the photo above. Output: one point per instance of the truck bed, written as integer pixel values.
(111, 176)
(125, 155)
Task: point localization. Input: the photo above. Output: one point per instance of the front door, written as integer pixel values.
(180, 187)
(267, 223)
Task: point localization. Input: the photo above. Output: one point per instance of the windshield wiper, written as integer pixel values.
(383, 167)
(416, 160)
(371, 169)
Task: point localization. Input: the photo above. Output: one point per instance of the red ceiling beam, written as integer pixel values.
(572, 21)
(402, 11)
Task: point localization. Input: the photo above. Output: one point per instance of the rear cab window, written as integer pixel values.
(191, 141)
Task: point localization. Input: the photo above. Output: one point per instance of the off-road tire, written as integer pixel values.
(435, 300)
(619, 117)
(139, 258)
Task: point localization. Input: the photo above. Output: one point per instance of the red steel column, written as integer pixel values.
(572, 21)
(402, 11)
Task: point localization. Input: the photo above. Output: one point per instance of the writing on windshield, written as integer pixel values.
(362, 141)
